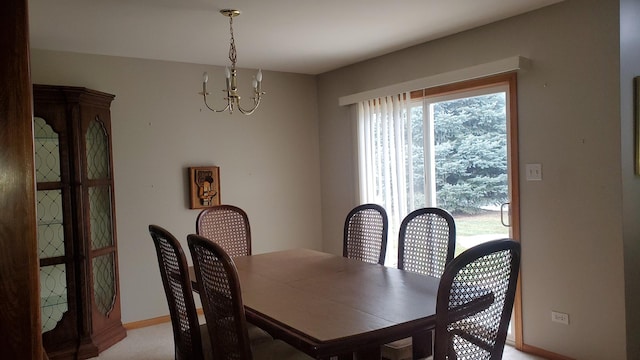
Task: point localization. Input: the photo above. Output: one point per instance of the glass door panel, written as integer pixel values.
(53, 295)
(462, 139)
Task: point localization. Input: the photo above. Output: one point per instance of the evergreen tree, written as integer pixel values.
(470, 153)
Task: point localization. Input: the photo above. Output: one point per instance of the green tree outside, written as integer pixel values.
(470, 153)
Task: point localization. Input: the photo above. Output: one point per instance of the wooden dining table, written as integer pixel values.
(327, 305)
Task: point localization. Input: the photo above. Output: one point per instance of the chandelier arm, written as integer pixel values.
(256, 103)
(214, 110)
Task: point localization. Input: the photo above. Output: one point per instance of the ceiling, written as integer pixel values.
(300, 36)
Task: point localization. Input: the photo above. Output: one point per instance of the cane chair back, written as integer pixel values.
(177, 287)
(365, 234)
(475, 301)
(221, 299)
(228, 226)
(427, 241)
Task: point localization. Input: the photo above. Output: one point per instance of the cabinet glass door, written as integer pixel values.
(51, 235)
(100, 215)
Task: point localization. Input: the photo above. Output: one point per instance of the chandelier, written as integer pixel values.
(233, 97)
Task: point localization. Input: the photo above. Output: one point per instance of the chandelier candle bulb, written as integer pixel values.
(205, 78)
(258, 81)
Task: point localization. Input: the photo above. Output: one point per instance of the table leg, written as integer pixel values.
(372, 353)
(422, 343)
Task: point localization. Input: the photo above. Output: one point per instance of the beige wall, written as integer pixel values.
(569, 118)
(276, 163)
(268, 161)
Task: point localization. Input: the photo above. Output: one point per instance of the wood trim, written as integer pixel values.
(469, 85)
(514, 186)
(543, 353)
(153, 321)
(19, 274)
(148, 322)
(458, 76)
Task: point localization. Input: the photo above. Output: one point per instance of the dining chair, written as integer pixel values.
(426, 244)
(190, 338)
(228, 226)
(365, 234)
(486, 275)
(427, 241)
(177, 287)
(224, 309)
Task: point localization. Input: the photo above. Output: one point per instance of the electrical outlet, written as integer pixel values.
(534, 172)
(559, 317)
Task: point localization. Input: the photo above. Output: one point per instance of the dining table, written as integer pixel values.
(328, 305)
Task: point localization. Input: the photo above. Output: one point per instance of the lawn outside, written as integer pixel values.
(472, 230)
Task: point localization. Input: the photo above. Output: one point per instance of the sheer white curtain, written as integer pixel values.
(383, 151)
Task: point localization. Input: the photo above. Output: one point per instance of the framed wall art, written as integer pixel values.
(204, 186)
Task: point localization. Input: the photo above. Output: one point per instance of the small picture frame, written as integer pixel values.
(636, 122)
(204, 186)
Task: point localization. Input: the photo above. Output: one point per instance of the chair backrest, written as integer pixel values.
(427, 241)
(228, 226)
(177, 287)
(475, 300)
(365, 234)
(221, 299)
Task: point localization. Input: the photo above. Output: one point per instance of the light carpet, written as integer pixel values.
(156, 343)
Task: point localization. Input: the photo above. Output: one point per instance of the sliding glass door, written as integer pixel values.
(453, 147)
(460, 161)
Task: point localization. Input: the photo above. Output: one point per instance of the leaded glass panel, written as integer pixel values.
(47, 151)
(50, 223)
(100, 214)
(97, 151)
(53, 295)
(104, 285)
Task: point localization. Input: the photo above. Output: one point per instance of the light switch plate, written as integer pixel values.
(559, 317)
(533, 172)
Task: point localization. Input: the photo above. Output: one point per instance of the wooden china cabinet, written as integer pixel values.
(79, 289)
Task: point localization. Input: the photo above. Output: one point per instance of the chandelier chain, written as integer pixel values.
(232, 45)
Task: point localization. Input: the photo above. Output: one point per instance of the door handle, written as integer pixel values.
(502, 212)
